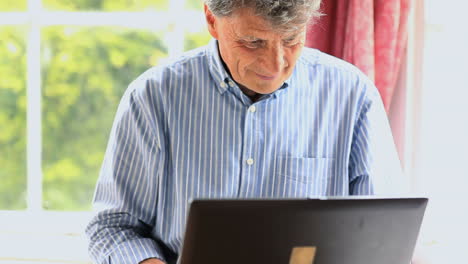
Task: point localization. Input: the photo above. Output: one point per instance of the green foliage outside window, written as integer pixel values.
(12, 5)
(106, 5)
(85, 72)
(12, 118)
(197, 39)
(194, 4)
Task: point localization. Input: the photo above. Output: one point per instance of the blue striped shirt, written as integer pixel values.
(185, 130)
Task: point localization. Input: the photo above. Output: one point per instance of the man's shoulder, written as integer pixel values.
(315, 58)
(177, 67)
(157, 85)
(328, 65)
(329, 68)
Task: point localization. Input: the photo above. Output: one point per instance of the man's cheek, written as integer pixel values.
(251, 66)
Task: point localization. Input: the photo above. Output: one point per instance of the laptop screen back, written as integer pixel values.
(335, 231)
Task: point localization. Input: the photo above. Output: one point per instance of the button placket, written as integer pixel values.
(248, 171)
(250, 161)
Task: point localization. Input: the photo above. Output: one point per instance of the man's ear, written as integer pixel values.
(211, 22)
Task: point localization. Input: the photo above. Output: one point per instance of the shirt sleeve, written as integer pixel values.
(126, 192)
(374, 163)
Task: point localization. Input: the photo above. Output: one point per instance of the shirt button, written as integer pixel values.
(250, 161)
(223, 84)
(232, 84)
(252, 109)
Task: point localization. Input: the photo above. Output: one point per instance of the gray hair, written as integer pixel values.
(282, 14)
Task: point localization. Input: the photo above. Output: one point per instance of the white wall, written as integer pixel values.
(441, 153)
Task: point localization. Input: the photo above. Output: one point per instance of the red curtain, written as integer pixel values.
(370, 34)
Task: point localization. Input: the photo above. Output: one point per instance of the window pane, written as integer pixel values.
(85, 72)
(194, 4)
(106, 5)
(196, 39)
(12, 118)
(12, 5)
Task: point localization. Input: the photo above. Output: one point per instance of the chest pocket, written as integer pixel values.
(302, 177)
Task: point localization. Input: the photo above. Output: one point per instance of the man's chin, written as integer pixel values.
(261, 87)
(267, 88)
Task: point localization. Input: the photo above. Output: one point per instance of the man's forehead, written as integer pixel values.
(246, 22)
(249, 25)
(252, 34)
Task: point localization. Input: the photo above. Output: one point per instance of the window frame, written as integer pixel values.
(35, 225)
(36, 18)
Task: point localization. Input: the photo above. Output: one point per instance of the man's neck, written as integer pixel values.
(251, 94)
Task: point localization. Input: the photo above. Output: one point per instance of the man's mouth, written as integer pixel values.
(266, 78)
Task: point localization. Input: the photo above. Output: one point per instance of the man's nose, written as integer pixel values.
(275, 60)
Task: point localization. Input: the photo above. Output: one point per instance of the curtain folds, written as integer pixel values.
(370, 34)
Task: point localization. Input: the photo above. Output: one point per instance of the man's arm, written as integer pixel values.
(126, 193)
(374, 164)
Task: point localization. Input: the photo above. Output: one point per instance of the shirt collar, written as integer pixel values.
(217, 70)
(221, 76)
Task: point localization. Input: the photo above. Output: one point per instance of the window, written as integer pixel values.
(13, 5)
(64, 65)
(13, 117)
(85, 71)
(106, 5)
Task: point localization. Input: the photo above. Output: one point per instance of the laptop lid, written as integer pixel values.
(329, 231)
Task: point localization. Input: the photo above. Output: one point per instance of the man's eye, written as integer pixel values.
(253, 44)
(291, 43)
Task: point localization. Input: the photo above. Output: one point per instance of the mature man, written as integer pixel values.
(253, 114)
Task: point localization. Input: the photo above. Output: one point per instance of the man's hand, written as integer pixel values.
(152, 261)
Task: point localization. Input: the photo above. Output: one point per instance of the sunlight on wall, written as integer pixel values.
(442, 156)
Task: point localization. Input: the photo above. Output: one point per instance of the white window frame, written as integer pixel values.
(36, 235)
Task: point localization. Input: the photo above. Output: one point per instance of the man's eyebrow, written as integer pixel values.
(249, 38)
(293, 36)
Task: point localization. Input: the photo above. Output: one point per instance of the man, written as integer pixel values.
(253, 114)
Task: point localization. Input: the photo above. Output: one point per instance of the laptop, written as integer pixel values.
(351, 230)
